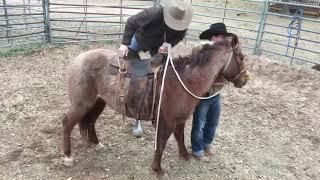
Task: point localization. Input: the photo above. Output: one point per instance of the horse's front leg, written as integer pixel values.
(164, 132)
(179, 135)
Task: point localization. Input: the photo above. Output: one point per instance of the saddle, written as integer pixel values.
(138, 100)
(134, 67)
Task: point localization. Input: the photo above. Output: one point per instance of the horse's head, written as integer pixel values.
(235, 69)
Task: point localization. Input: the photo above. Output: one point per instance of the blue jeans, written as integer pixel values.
(204, 125)
(134, 45)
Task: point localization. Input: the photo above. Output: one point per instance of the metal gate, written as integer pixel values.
(288, 32)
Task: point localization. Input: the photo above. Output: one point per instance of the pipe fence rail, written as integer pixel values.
(283, 29)
(263, 30)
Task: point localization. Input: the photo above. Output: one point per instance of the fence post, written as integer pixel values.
(224, 12)
(7, 21)
(257, 49)
(121, 19)
(185, 38)
(46, 19)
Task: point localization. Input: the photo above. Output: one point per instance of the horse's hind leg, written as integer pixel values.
(179, 135)
(91, 118)
(69, 121)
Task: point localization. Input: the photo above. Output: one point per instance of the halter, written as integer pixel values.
(228, 63)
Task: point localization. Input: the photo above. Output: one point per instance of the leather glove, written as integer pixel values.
(123, 51)
(164, 48)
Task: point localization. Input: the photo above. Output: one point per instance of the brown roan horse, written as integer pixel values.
(91, 87)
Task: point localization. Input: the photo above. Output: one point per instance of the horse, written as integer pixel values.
(91, 87)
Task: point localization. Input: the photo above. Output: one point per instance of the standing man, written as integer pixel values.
(151, 30)
(207, 113)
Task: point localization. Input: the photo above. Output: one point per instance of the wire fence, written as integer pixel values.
(287, 29)
(25, 22)
(19, 21)
(264, 30)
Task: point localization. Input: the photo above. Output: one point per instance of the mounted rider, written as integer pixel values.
(153, 29)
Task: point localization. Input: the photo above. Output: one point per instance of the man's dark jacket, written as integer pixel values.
(149, 28)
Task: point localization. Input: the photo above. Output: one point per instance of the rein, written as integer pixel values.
(227, 65)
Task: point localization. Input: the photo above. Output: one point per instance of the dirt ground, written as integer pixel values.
(268, 129)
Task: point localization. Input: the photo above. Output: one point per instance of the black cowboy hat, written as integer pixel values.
(215, 29)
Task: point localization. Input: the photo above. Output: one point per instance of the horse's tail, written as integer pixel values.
(84, 126)
(87, 124)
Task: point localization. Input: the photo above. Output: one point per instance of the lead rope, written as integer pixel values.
(160, 98)
(185, 87)
(169, 59)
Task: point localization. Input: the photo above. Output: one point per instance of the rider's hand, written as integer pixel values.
(164, 48)
(123, 51)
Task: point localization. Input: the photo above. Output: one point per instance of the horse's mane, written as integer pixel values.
(200, 57)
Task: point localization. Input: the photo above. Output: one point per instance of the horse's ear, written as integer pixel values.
(234, 41)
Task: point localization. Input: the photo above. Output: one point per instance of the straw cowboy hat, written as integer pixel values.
(215, 29)
(177, 14)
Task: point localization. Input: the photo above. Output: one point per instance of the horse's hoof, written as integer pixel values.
(68, 161)
(165, 176)
(99, 146)
(186, 156)
(161, 174)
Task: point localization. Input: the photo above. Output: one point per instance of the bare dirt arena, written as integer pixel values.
(269, 129)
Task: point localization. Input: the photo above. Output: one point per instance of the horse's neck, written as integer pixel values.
(200, 79)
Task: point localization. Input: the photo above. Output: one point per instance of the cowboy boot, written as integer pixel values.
(137, 129)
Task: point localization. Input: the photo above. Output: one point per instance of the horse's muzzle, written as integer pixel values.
(242, 80)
